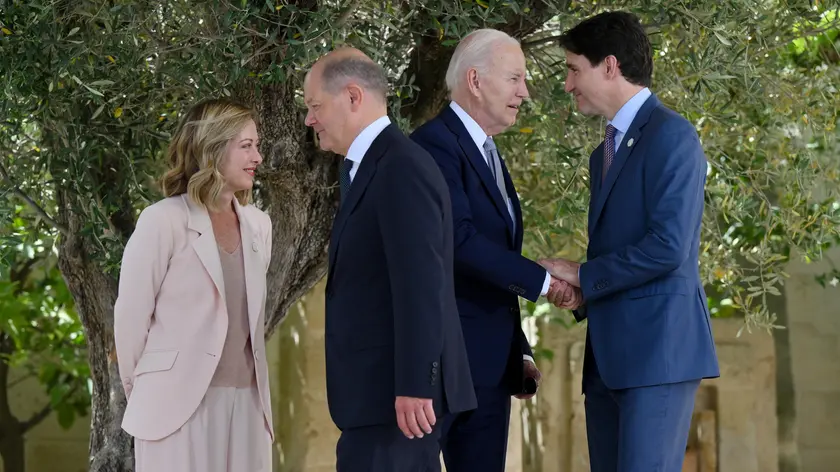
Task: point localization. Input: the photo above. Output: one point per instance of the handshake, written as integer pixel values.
(564, 289)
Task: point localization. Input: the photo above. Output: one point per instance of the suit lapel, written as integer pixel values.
(254, 275)
(364, 175)
(205, 245)
(517, 207)
(477, 161)
(622, 153)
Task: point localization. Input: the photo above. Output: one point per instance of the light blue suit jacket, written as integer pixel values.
(648, 321)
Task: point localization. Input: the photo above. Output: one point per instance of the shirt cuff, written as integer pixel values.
(528, 358)
(546, 284)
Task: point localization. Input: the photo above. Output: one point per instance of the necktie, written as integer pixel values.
(609, 150)
(344, 178)
(494, 161)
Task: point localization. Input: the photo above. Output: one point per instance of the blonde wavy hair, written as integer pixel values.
(198, 149)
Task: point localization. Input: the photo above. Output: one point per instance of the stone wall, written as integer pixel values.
(815, 350)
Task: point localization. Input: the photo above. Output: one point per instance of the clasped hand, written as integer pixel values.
(564, 289)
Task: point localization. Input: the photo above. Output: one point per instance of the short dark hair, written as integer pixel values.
(618, 34)
(338, 72)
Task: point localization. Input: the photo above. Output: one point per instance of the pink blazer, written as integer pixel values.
(170, 318)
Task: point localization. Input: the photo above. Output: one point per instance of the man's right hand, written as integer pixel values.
(414, 416)
(563, 295)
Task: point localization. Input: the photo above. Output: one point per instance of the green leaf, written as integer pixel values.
(718, 76)
(66, 416)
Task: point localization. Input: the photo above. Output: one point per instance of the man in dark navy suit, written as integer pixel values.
(395, 355)
(486, 80)
(649, 340)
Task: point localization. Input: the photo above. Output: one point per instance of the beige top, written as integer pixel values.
(236, 366)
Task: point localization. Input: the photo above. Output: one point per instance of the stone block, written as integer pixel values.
(820, 460)
(57, 456)
(820, 420)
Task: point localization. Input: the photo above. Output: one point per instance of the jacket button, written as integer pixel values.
(434, 364)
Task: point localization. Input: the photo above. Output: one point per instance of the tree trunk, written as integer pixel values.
(94, 292)
(12, 449)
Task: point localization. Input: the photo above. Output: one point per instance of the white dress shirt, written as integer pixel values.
(361, 144)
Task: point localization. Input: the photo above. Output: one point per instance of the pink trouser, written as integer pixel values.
(227, 433)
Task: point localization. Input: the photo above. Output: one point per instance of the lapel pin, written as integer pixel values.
(630, 142)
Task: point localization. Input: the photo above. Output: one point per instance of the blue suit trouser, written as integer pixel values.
(641, 429)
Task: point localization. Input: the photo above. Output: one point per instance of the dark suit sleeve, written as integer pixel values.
(676, 173)
(410, 214)
(474, 253)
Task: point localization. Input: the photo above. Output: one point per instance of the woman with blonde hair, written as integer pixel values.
(189, 317)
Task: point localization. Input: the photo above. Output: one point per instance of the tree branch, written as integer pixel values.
(40, 416)
(23, 196)
(345, 15)
(36, 418)
(23, 378)
(537, 42)
(20, 273)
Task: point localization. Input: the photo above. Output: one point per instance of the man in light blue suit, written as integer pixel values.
(649, 339)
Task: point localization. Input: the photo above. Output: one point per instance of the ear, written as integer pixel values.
(611, 68)
(356, 95)
(472, 81)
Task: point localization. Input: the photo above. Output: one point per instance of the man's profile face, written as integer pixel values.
(326, 113)
(586, 83)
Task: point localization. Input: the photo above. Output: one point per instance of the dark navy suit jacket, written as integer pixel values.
(648, 321)
(490, 271)
(392, 326)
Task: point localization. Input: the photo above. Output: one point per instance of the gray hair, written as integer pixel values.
(369, 75)
(474, 51)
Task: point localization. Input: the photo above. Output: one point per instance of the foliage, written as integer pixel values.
(43, 336)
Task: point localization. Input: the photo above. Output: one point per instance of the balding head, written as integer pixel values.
(345, 91)
(344, 66)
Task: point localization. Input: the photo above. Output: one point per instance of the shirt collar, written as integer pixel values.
(474, 129)
(363, 141)
(624, 118)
